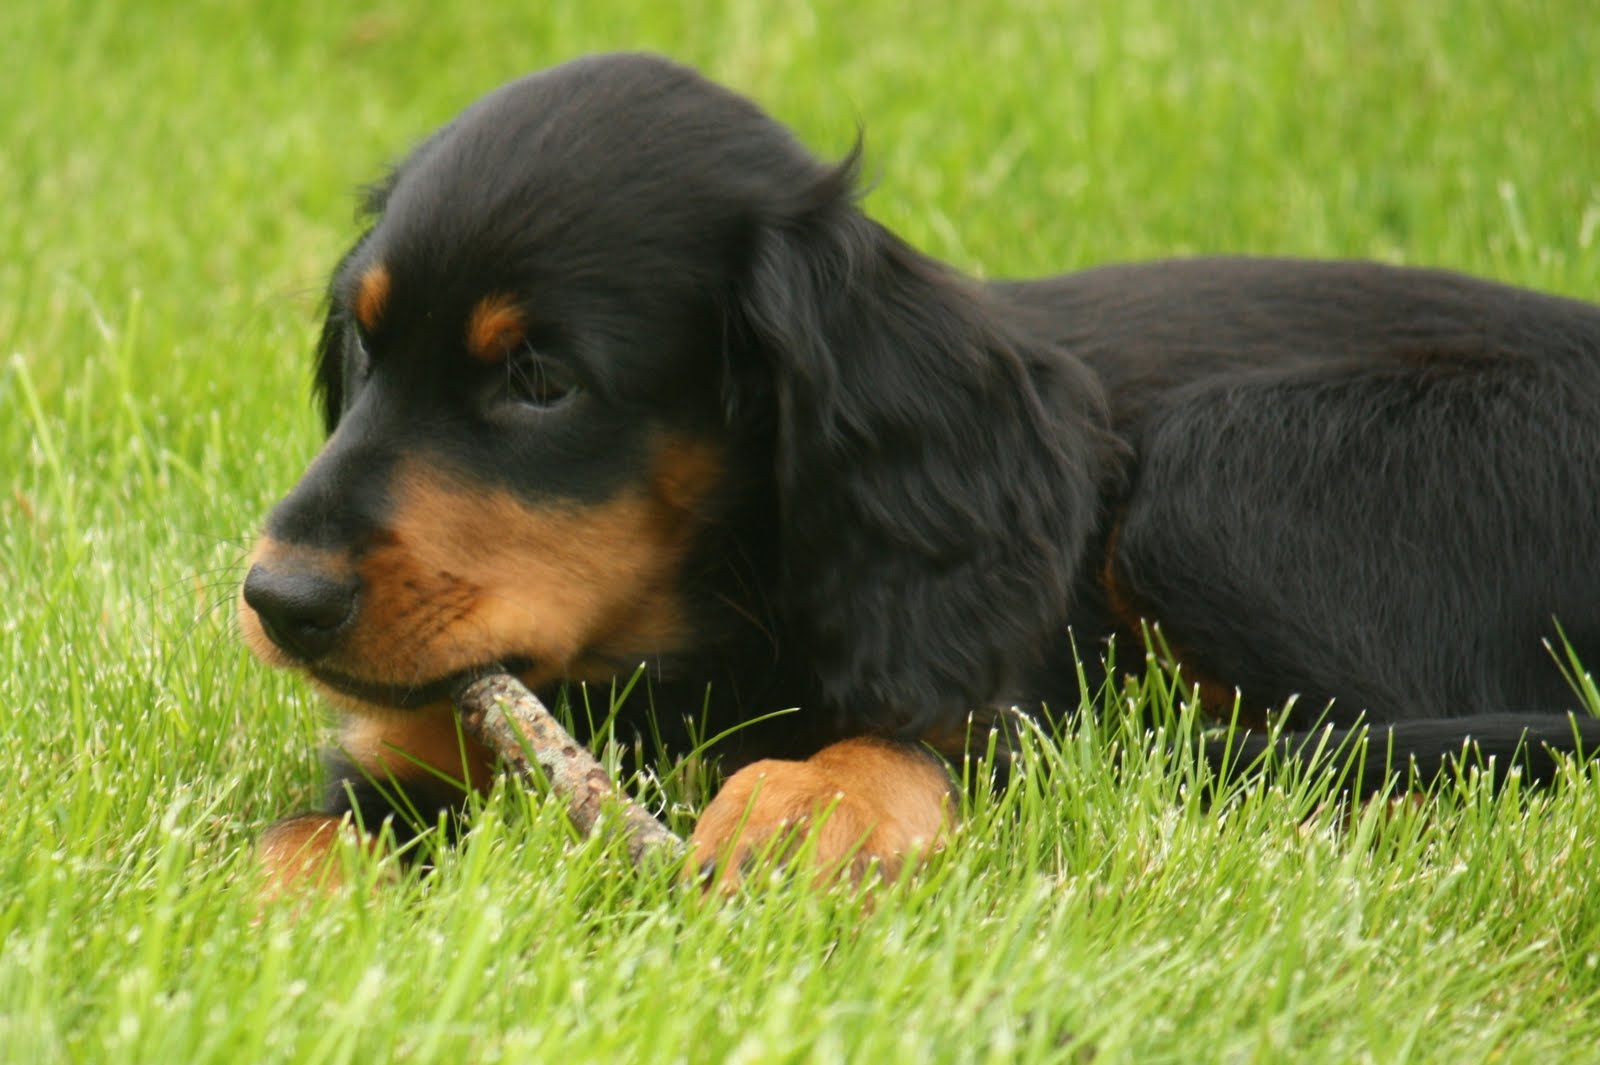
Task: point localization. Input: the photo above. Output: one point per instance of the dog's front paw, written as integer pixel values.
(301, 855)
(861, 807)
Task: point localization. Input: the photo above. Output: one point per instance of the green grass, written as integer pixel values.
(174, 183)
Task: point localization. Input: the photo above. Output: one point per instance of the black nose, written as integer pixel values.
(302, 611)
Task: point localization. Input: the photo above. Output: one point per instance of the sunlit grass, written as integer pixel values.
(175, 182)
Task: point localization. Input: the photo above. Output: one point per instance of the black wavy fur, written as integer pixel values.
(1359, 485)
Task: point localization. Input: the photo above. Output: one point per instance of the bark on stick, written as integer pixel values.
(508, 719)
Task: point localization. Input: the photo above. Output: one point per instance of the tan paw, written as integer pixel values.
(305, 855)
(857, 807)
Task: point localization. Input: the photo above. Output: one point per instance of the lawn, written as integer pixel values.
(175, 182)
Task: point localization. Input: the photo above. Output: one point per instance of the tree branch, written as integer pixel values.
(509, 720)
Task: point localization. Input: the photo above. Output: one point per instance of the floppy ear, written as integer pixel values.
(328, 382)
(937, 473)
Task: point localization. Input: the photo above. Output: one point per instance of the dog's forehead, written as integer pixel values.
(601, 210)
(603, 164)
(585, 141)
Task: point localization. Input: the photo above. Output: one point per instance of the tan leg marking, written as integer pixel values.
(859, 804)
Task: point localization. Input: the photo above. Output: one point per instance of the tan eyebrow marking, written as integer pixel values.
(372, 295)
(495, 326)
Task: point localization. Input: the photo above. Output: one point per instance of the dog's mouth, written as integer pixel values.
(416, 694)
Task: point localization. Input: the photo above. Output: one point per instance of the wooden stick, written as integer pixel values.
(510, 720)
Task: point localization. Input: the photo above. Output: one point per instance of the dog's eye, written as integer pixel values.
(538, 381)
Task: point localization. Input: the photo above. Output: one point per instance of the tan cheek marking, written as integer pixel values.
(503, 576)
(467, 576)
(372, 296)
(685, 473)
(416, 744)
(464, 576)
(494, 328)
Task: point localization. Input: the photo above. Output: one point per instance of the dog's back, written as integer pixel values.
(1347, 481)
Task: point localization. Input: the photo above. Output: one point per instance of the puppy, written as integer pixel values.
(620, 373)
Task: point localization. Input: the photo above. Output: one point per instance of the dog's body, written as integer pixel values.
(621, 374)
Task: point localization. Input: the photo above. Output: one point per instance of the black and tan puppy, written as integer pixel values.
(621, 373)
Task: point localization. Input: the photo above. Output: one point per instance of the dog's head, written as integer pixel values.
(619, 363)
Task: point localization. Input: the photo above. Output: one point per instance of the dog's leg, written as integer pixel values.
(857, 807)
(396, 771)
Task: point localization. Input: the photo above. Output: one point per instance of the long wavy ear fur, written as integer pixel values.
(328, 382)
(937, 475)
